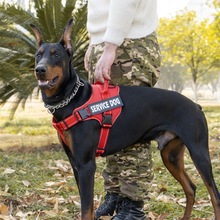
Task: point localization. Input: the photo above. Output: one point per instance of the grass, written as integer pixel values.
(37, 182)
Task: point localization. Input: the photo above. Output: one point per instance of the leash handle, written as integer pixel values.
(105, 92)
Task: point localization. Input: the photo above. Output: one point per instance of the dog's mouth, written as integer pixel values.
(47, 84)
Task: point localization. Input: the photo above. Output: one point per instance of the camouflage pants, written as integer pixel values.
(130, 172)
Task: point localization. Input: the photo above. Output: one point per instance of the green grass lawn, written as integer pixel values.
(37, 181)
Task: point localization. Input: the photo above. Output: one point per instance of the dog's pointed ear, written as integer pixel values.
(65, 39)
(37, 34)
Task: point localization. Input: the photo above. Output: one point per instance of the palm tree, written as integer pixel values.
(18, 45)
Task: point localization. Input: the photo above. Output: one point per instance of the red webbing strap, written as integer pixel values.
(106, 119)
(105, 93)
(59, 130)
(66, 124)
(105, 126)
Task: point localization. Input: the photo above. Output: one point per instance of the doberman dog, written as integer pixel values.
(168, 117)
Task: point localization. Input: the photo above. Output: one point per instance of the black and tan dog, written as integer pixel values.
(148, 114)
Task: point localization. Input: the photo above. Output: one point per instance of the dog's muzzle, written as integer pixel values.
(43, 82)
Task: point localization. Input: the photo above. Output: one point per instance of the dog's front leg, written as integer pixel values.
(82, 158)
(86, 174)
(84, 148)
(69, 152)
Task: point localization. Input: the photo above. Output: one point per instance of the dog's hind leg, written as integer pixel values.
(202, 161)
(173, 158)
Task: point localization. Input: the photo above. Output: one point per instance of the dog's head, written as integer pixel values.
(52, 61)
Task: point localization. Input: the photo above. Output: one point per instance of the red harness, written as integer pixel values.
(104, 106)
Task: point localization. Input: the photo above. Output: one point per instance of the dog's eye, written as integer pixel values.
(55, 55)
(38, 55)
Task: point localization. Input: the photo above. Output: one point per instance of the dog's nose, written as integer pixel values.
(40, 71)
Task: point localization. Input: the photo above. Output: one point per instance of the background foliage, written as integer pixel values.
(190, 50)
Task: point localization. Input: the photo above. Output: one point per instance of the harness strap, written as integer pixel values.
(106, 124)
(83, 113)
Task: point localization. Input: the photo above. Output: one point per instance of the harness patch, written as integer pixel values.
(105, 105)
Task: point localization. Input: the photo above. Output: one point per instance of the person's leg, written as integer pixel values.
(110, 171)
(136, 63)
(135, 162)
(136, 168)
(111, 184)
(135, 178)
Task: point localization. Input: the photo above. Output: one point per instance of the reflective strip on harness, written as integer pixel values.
(104, 105)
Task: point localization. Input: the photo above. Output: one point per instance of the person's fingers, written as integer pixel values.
(86, 64)
(107, 76)
(102, 74)
(86, 58)
(99, 76)
(103, 66)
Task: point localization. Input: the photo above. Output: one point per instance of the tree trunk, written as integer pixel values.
(195, 89)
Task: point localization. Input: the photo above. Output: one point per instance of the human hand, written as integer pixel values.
(103, 66)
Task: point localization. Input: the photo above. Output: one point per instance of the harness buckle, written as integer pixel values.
(107, 120)
(83, 113)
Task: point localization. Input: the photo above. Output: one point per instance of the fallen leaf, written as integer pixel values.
(50, 190)
(165, 198)
(4, 194)
(3, 209)
(5, 217)
(23, 215)
(22, 172)
(152, 215)
(54, 200)
(8, 171)
(26, 183)
(77, 204)
(49, 184)
(204, 201)
(61, 166)
(65, 210)
(50, 213)
(182, 202)
(56, 205)
(6, 188)
(75, 200)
